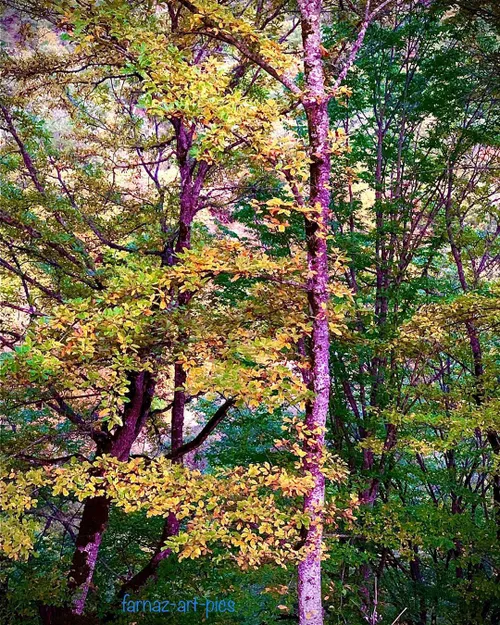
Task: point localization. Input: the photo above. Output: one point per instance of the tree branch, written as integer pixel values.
(205, 432)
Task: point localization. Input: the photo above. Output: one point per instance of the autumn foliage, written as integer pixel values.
(249, 310)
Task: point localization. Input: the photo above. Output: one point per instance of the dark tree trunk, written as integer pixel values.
(193, 175)
(474, 342)
(170, 528)
(416, 575)
(96, 509)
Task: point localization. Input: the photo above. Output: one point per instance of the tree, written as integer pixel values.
(272, 216)
(141, 88)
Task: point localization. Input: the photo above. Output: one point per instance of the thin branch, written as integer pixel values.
(205, 432)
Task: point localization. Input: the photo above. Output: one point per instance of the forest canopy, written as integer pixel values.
(249, 312)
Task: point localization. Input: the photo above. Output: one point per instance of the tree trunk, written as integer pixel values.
(170, 528)
(474, 342)
(96, 509)
(316, 107)
(193, 175)
(92, 527)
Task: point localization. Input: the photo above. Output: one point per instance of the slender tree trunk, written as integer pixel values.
(171, 524)
(192, 175)
(379, 361)
(474, 342)
(170, 528)
(316, 107)
(417, 578)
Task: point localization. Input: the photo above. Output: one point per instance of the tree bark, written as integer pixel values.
(96, 509)
(316, 108)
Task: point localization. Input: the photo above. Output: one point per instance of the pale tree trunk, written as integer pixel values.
(316, 107)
